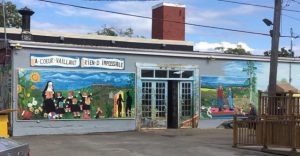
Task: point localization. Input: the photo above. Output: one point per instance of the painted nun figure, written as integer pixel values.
(48, 96)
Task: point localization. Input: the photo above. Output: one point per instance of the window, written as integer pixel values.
(147, 73)
(161, 74)
(174, 73)
(187, 74)
(186, 97)
(146, 99)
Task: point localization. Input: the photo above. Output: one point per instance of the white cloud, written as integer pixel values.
(33, 3)
(214, 17)
(206, 46)
(140, 26)
(69, 28)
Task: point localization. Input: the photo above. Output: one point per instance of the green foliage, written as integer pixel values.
(282, 53)
(108, 110)
(235, 51)
(283, 80)
(113, 31)
(13, 18)
(107, 31)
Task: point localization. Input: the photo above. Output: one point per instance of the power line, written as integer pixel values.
(145, 17)
(120, 0)
(256, 5)
(295, 1)
(291, 17)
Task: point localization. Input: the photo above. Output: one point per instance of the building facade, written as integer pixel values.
(101, 89)
(66, 83)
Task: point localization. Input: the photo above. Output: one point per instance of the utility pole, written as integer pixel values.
(291, 50)
(292, 38)
(274, 51)
(4, 26)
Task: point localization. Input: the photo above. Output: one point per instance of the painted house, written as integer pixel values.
(69, 83)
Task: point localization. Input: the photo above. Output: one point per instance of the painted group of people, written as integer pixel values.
(220, 97)
(55, 105)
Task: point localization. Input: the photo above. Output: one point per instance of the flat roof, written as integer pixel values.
(99, 37)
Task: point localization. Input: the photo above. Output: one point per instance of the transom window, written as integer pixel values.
(158, 73)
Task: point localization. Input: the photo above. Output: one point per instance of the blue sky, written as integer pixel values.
(50, 17)
(214, 82)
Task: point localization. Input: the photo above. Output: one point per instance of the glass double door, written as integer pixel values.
(154, 104)
(165, 102)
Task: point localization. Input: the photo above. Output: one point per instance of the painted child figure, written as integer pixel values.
(86, 102)
(69, 101)
(99, 113)
(75, 109)
(59, 104)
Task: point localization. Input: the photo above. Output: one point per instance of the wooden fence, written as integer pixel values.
(278, 105)
(276, 125)
(267, 131)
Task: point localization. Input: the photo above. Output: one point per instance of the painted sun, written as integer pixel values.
(19, 89)
(35, 77)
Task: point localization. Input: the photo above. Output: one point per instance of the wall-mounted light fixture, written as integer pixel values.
(61, 39)
(211, 57)
(18, 46)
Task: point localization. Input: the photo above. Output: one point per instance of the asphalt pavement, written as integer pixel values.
(171, 142)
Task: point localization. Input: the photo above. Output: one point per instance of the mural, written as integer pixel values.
(221, 97)
(231, 92)
(56, 95)
(224, 95)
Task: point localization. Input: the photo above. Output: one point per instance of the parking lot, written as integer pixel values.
(171, 142)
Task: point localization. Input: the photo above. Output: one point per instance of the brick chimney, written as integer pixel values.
(162, 29)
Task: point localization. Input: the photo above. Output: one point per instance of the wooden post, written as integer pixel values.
(235, 131)
(259, 103)
(264, 134)
(290, 104)
(294, 135)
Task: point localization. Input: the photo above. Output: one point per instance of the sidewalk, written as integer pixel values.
(172, 142)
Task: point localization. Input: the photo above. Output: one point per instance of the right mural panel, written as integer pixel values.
(232, 91)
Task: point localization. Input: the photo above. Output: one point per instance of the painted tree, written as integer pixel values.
(251, 72)
(13, 18)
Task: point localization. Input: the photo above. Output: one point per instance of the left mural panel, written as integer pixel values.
(57, 95)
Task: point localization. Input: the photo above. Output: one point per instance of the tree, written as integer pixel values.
(112, 31)
(13, 18)
(282, 53)
(107, 31)
(239, 50)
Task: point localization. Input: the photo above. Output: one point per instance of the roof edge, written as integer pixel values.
(100, 37)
